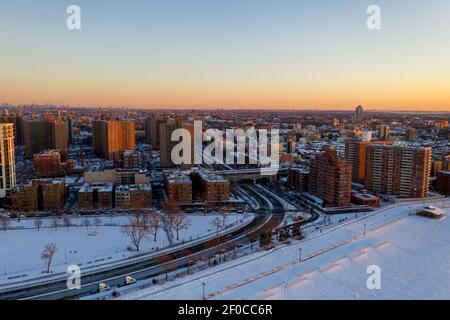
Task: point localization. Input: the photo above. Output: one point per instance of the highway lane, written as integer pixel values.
(151, 267)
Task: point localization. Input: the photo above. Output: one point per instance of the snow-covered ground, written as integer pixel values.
(413, 254)
(21, 246)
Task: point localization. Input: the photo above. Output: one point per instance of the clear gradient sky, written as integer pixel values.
(227, 53)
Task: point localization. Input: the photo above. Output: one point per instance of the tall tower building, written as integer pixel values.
(7, 160)
(355, 153)
(410, 134)
(358, 117)
(166, 145)
(398, 170)
(384, 132)
(44, 134)
(152, 131)
(110, 136)
(331, 179)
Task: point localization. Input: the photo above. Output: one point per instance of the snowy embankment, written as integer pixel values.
(412, 252)
(90, 247)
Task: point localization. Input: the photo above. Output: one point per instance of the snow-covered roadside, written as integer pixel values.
(25, 245)
(334, 263)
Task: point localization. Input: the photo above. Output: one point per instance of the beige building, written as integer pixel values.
(118, 176)
(7, 160)
(398, 170)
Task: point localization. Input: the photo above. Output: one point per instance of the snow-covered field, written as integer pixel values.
(413, 254)
(21, 247)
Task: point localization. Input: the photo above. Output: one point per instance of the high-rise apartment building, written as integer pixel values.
(384, 132)
(398, 170)
(152, 131)
(443, 182)
(7, 160)
(358, 117)
(17, 120)
(44, 134)
(331, 178)
(410, 134)
(166, 144)
(355, 153)
(110, 136)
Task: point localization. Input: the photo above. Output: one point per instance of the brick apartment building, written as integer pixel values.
(96, 196)
(330, 179)
(443, 182)
(40, 195)
(133, 196)
(178, 186)
(48, 164)
(210, 186)
(298, 179)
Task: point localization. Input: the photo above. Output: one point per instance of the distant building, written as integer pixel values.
(331, 178)
(166, 144)
(118, 176)
(40, 195)
(152, 131)
(358, 117)
(128, 159)
(17, 120)
(96, 196)
(443, 182)
(210, 186)
(110, 136)
(384, 132)
(178, 186)
(48, 164)
(7, 160)
(133, 196)
(298, 179)
(410, 134)
(398, 170)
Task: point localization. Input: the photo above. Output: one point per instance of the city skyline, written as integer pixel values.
(203, 55)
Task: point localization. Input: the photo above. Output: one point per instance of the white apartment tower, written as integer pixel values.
(7, 160)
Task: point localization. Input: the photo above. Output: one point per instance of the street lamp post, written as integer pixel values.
(300, 254)
(365, 229)
(204, 286)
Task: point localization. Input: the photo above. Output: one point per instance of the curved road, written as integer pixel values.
(156, 265)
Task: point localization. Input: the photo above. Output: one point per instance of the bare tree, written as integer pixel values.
(154, 224)
(218, 224)
(55, 223)
(48, 253)
(87, 223)
(38, 223)
(97, 222)
(178, 222)
(224, 214)
(67, 222)
(136, 229)
(5, 222)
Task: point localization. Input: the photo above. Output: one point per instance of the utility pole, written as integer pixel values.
(300, 254)
(364, 229)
